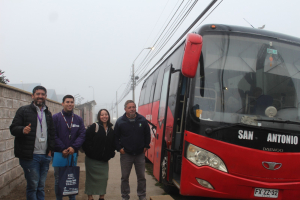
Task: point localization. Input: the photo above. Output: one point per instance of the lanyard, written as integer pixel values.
(69, 127)
(41, 120)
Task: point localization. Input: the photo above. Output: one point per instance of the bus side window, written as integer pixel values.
(142, 96)
(152, 93)
(153, 85)
(148, 90)
(159, 83)
(155, 75)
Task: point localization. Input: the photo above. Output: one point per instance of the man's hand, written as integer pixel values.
(122, 151)
(145, 149)
(65, 153)
(70, 150)
(49, 154)
(27, 129)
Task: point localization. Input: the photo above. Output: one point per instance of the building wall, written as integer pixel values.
(86, 112)
(11, 173)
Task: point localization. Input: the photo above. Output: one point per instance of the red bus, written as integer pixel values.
(225, 114)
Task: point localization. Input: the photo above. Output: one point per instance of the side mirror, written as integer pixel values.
(191, 56)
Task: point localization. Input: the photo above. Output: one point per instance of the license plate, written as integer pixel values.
(263, 192)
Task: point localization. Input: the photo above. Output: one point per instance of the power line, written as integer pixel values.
(170, 35)
(166, 25)
(169, 32)
(170, 29)
(185, 32)
(127, 90)
(128, 87)
(156, 23)
(209, 13)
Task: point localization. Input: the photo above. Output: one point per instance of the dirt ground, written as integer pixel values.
(113, 187)
(113, 191)
(19, 193)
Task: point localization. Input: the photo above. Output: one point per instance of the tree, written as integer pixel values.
(2, 77)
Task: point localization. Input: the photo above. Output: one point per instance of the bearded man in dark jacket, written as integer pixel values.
(132, 139)
(33, 129)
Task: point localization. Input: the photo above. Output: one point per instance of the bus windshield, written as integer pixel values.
(247, 79)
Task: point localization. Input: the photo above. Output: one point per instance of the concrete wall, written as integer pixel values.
(86, 112)
(11, 173)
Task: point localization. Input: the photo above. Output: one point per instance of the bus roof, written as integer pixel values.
(247, 30)
(235, 29)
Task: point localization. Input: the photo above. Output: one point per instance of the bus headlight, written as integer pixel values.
(201, 157)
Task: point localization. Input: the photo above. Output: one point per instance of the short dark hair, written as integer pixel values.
(68, 96)
(108, 121)
(39, 87)
(127, 102)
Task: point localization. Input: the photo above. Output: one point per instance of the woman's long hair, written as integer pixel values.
(108, 121)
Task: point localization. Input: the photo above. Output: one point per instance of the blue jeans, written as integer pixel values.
(35, 172)
(56, 175)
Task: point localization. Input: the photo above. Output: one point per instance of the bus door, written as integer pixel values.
(171, 162)
(178, 130)
(160, 131)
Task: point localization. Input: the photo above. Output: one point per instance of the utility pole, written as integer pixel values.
(133, 82)
(133, 77)
(112, 109)
(117, 99)
(117, 104)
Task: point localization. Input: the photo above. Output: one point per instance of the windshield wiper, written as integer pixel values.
(278, 121)
(209, 131)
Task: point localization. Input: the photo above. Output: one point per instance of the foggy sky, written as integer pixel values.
(71, 45)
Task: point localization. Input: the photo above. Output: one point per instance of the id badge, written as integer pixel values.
(42, 140)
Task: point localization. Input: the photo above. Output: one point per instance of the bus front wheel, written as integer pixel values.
(168, 187)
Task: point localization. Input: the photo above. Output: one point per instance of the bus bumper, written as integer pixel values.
(229, 186)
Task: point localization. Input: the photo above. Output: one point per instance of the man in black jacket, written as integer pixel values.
(132, 139)
(33, 129)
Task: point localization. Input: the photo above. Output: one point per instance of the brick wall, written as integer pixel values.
(11, 173)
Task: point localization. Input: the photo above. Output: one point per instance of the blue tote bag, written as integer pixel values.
(60, 161)
(68, 182)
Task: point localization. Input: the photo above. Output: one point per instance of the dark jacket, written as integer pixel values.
(62, 140)
(99, 146)
(132, 136)
(24, 143)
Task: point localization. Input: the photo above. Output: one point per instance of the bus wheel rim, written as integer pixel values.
(164, 166)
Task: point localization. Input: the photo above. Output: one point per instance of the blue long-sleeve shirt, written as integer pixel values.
(62, 139)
